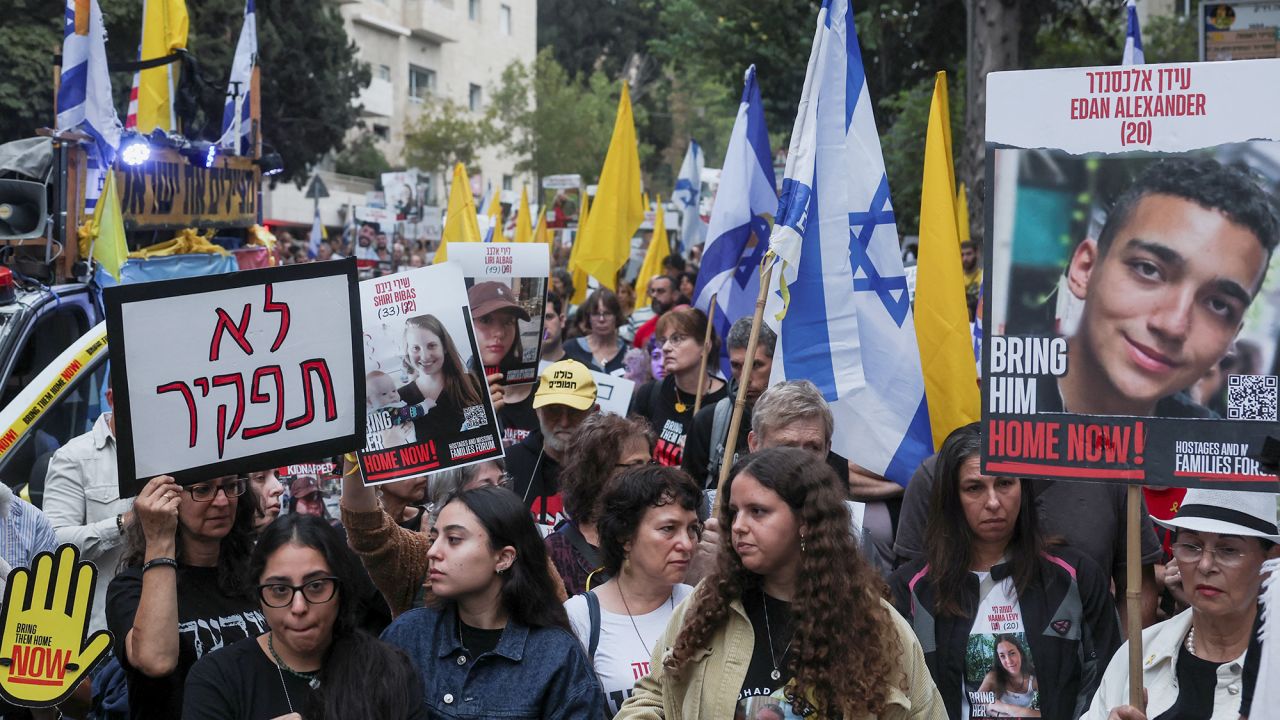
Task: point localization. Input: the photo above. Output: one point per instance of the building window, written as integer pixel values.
(422, 83)
(382, 132)
(504, 19)
(473, 9)
(384, 73)
(508, 182)
(474, 98)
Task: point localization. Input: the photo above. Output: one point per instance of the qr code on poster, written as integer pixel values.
(474, 417)
(1251, 397)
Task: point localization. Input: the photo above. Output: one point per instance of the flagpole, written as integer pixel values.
(706, 350)
(740, 401)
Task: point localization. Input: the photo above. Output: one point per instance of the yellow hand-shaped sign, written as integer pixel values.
(43, 649)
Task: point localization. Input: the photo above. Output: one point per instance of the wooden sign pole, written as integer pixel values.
(1133, 595)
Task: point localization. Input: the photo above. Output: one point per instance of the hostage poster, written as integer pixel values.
(507, 291)
(428, 406)
(1131, 295)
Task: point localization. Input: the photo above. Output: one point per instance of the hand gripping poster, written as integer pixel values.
(1132, 298)
(428, 407)
(507, 291)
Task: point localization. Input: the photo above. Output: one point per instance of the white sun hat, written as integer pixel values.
(1227, 512)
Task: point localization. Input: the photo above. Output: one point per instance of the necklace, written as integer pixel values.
(776, 674)
(312, 678)
(632, 618)
(1191, 640)
(681, 407)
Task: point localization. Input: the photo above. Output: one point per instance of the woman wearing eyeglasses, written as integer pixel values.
(648, 526)
(1193, 662)
(600, 349)
(314, 660)
(494, 643)
(183, 589)
(668, 403)
(606, 444)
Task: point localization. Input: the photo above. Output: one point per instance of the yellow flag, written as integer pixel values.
(460, 223)
(494, 211)
(579, 275)
(618, 211)
(109, 248)
(941, 316)
(659, 249)
(164, 29)
(962, 213)
(524, 228)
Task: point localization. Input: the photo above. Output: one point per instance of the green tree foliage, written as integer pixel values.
(444, 134)
(554, 122)
(1170, 38)
(903, 143)
(362, 158)
(310, 75)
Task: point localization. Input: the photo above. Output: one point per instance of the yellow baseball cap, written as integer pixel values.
(566, 382)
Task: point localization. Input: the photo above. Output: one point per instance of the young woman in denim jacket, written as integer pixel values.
(495, 642)
(792, 618)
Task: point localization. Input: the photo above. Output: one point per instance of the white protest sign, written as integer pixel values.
(428, 405)
(508, 278)
(233, 373)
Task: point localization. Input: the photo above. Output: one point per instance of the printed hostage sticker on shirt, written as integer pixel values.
(999, 674)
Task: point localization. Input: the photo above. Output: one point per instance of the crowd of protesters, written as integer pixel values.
(605, 568)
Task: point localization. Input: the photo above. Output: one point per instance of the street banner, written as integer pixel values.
(427, 402)
(233, 373)
(507, 290)
(1132, 320)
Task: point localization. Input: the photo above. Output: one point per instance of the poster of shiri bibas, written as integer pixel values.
(428, 405)
(1132, 297)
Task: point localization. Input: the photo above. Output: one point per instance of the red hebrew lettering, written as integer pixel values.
(258, 397)
(203, 384)
(321, 369)
(282, 308)
(179, 386)
(238, 332)
(236, 380)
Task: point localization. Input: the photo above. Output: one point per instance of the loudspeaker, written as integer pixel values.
(23, 209)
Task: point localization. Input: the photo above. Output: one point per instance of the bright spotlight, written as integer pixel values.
(135, 150)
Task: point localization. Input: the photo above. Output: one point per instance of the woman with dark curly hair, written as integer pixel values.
(792, 613)
(649, 528)
(989, 596)
(605, 444)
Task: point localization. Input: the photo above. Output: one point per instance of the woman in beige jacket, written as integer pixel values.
(792, 622)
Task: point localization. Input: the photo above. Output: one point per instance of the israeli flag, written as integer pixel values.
(84, 92)
(238, 85)
(740, 219)
(840, 304)
(1133, 54)
(687, 196)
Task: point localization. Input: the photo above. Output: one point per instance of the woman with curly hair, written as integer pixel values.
(606, 444)
(792, 615)
(989, 597)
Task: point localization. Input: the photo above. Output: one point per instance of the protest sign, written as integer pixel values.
(507, 289)
(561, 200)
(428, 405)
(613, 393)
(403, 195)
(45, 644)
(228, 374)
(1133, 321)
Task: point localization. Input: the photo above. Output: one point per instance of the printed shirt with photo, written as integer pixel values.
(999, 614)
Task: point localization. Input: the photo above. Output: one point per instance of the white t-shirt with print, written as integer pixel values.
(998, 641)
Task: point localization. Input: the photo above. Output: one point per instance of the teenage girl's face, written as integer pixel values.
(495, 333)
(765, 530)
(425, 350)
(303, 626)
(460, 561)
(1010, 657)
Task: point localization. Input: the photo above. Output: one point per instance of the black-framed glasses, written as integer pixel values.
(205, 492)
(281, 595)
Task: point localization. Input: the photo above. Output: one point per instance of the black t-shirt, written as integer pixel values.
(241, 683)
(478, 641)
(442, 422)
(517, 420)
(414, 523)
(1197, 680)
(671, 425)
(761, 689)
(208, 620)
(535, 476)
(698, 443)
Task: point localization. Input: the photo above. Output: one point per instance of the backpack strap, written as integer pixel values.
(593, 612)
(719, 436)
